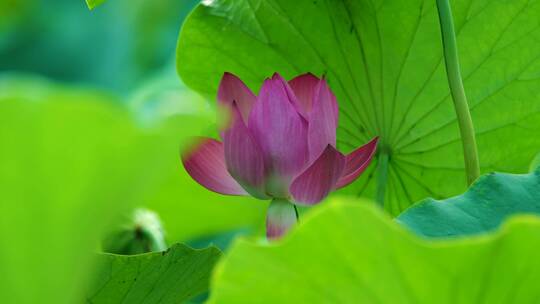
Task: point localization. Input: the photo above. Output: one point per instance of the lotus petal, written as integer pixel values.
(356, 162)
(304, 87)
(322, 123)
(280, 130)
(314, 184)
(232, 89)
(244, 157)
(206, 165)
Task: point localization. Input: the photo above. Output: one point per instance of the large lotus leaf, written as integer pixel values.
(383, 59)
(172, 276)
(352, 253)
(490, 200)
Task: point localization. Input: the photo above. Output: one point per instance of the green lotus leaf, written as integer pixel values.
(491, 199)
(350, 252)
(172, 276)
(383, 59)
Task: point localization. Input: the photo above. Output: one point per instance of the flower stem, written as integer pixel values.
(470, 153)
(382, 179)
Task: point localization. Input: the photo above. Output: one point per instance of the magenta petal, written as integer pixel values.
(279, 129)
(206, 165)
(232, 89)
(314, 184)
(279, 218)
(322, 121)
(244, 157)
(278, 79)
(356, 162)
(304, 87)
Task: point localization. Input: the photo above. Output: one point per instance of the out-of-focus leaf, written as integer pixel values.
(352, 253)
(115, 46)
(383, 59)
(172, 276)
(490, 200)
(12, 14)
(70, 162)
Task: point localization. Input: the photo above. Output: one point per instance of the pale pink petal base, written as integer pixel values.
(314, 184)
(356, 162)
(279, 218)
(206, 165)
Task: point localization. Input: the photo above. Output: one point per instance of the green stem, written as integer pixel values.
(382, 179)
(466, 128)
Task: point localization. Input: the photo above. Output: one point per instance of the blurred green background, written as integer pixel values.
(93, 117)
(114, 47)
(125, 50)
(92, 120)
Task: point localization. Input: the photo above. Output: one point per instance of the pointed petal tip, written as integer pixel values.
(266, 84)
(373, 143)
(205, 163)
(323, 85)
(277, 76)
(307, 76)
(304, 87)
(233, 89)
(279, 80)
(331, 149)
(228, 77)
(357, 162)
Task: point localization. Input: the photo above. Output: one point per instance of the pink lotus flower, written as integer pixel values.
(279, 145)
